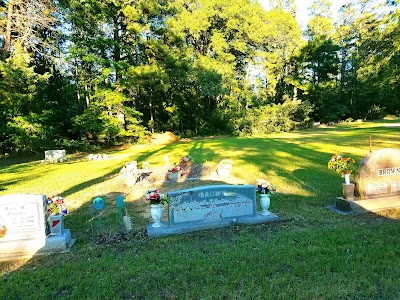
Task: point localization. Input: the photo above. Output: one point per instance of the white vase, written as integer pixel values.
(347, 178)
(174, 176)
(156, 214)
(265, 202)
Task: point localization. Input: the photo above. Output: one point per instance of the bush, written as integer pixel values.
(292, 114)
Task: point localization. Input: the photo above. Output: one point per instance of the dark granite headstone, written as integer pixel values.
(378, 174)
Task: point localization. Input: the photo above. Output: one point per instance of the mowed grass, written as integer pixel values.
(312, 254)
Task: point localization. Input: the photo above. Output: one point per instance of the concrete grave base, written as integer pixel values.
(357, 206)
(38, 246)
(186, 227)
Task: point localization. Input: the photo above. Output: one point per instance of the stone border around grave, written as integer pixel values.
(362, 206)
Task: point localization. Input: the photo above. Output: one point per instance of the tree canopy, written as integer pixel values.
(82, 73)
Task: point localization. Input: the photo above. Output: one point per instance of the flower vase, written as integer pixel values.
(347, 178)
(265, 202)
(156, 214)
(174, 176)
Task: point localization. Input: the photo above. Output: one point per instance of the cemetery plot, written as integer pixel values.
(377, 183)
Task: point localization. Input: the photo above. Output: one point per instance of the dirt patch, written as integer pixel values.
(163, 138)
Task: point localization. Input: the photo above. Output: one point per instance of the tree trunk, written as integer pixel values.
(7, 38)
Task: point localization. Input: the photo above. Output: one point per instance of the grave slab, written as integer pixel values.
(210, 207)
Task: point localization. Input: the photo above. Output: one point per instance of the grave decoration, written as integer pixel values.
(174, 173)
(122, 219)
(377, 183)
(132, 175)
(101, 229)
(23, 224)
(156, 201)
(265, 189)
(224, 167)
(186, 163)
(209, 207)
(343, 166)
(56, 210)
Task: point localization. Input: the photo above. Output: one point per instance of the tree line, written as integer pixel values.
(78, 74)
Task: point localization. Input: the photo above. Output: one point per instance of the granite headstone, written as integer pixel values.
(378, 174)
(209, 207)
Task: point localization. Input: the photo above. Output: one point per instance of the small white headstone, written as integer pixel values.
(55, 155)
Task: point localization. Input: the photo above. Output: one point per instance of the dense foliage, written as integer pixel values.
(78, 74)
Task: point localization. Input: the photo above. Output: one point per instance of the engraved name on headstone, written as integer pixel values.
(389, 171)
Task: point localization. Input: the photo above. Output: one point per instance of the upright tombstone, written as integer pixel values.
(209, 207)
(377, 183)
(23, 219)
(378, 174)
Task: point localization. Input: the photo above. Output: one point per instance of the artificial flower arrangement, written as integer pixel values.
(56, 205)
(341, 165)
(185, 160)
(175, 169)
(264, 187)
(153, 196)
(3, 231)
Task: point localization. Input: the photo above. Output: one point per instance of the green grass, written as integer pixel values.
(312, 254)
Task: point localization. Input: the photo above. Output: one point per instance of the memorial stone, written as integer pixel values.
(378, 174)
(55, 155)
(377, 184)
(210, 207)
(23, 216)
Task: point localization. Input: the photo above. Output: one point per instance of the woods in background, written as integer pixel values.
(82, 73)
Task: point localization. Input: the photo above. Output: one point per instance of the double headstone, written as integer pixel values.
(377, 183)
(210, 207)
(378, 174)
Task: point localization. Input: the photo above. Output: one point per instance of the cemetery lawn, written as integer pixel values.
(313, 253)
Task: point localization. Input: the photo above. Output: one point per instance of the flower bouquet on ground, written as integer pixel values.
(265, 188)
(186, 163)
(153, 196)
(186, 160)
